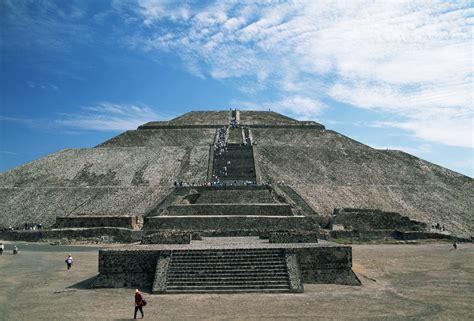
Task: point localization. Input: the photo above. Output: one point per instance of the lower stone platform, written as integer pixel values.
(254, 223)
(146, 266)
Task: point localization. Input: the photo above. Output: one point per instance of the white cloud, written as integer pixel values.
(453, 132)
(5, 152)
(108, 117)
(154, 10)
(408, 58)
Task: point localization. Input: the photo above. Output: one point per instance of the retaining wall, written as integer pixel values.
(136, 268)
(94, 234)
(332, 264)
(131, 222)
(229, 209)
(389, 234)
(293, 237)
(373, 219)
(250, 195)
(167, 237)
(231, 223)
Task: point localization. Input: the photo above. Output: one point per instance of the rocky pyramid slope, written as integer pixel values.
(133, 171)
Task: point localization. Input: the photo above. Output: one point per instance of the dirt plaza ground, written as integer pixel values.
(426, 281)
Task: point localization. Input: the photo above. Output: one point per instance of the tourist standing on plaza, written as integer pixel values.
(139, 303)
(69, 262)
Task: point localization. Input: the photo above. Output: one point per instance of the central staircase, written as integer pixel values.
(239, 161)
(227, 271)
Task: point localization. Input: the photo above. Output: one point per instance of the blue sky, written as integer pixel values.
(392, 74)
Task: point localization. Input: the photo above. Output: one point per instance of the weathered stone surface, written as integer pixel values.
(98, 181)
(107, 167)
(310, 264)
(330, 170)
(72, 235)
(197, 118)
(230, 224)
(167, 237)
(163, 137)
(230, 209)
(159, 282)
(44, 204)
(131, 222)
(294, 237)
(326, 265)
(131, 173)
(294, 273)
(237, 194)
(364, 236)
(373, 219)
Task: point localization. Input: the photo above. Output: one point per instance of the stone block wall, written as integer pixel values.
(230, 209)
(374, 219)
(256, 224)
(294, 273)
(331, 264)
(293, 237)
(131, 222)
(67, 235)
(127, 268)
(167, 237)
(396, 235)
(247, 194)
(318, 264)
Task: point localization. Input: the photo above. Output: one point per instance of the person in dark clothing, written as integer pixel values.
(139, 303)
(455, 245)
(69, 262)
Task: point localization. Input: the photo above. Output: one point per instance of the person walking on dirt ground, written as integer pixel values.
(139, 303)
(15, 250)
(455, 245)
(69, 262)
(1, 248)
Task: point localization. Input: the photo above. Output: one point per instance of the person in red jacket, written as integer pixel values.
(139, 303)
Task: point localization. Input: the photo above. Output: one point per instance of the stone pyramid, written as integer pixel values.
(132, 173)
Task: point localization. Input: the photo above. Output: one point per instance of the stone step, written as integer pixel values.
(220, 252)
(226, 255)
(227, 276)
(224, 272)
(227, 270)
(225, 290)
(268, 210)
(230, 261)
(221, 264)
(226, 280)
(250, 283)
(230, 288)
(227, 258)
